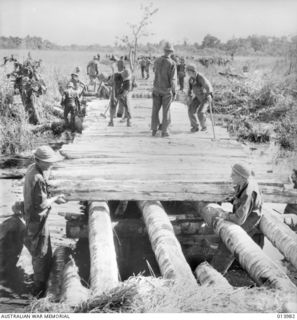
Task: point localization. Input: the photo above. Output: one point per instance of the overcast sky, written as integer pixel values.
(100, 21)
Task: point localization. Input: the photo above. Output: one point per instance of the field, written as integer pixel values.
(257, 106)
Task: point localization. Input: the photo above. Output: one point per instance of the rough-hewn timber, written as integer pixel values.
(259, 266)
(126, 163)
(280, 235)
(104, 268)
(166, 247)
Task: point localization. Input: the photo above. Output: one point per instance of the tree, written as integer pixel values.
(138, 31)
(210, 41)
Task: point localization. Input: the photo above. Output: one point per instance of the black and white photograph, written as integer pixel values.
(148, 158)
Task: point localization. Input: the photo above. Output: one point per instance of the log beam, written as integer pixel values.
(209, 276)
(258, 265)
(280, 235)
(104, 268)
(166, 247)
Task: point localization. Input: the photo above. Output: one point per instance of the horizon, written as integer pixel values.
(91, 22)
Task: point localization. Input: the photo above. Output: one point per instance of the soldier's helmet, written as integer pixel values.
(168, 47)
(191, 68)
(70, 85)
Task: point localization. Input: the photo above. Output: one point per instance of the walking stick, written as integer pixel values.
(212, 121)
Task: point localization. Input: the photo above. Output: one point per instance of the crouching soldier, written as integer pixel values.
(70, 102)
(247, 212)
(203, 93)
(37, 206)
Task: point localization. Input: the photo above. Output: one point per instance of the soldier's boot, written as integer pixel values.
(194, 129)
(110, 123)
(154, 132)
(128, 123)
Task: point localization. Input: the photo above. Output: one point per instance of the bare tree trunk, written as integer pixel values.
(259, 266)
(281, 236)
(209, 276)
(166, 247)
(104, 268)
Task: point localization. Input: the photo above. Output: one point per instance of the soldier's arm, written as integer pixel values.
(241, 214)
(205, 84)
(190, 89)
(173, 77)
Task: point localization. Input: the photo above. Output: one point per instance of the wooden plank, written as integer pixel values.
(163, 190)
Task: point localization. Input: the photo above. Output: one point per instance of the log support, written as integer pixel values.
(104, 269)
(259, 266)
(166, 247)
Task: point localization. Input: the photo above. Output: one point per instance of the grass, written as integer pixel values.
(141, 294)
(266, 94)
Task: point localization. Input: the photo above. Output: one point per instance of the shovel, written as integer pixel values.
(103, 115)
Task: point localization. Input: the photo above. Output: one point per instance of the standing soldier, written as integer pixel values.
(203, 93)
(163, 90)
(70, 102)
(147, 67)
(93, 69)
(142, 67)
(121, 87)
(37, 205)
(181, 73)
(124, 94)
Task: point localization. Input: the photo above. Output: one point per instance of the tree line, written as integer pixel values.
(254, 44)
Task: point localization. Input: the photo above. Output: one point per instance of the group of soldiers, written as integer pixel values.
(28, 83)
(247, 200)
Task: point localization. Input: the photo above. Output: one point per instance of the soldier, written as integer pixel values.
(37, 206)
(163, 90)
(121, 83)
(247, 212)
(147, 67)
(203, 94)
(93, 69)
(70, 102)
(181, 73)
(142, 67)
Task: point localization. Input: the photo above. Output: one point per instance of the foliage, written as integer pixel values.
(138, 31)
(141, 294)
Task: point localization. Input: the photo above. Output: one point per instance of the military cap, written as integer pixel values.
(168, 47)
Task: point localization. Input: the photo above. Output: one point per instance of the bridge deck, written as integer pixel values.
(127, 163)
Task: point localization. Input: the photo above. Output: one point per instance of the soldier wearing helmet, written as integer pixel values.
(164, 90)
(181, 73)
(123, 87)
(200, 95)
(70, 103)
(93, 68)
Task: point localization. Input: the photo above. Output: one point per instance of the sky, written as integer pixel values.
(102, 21)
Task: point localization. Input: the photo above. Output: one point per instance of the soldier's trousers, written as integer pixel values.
(72, 110)
(40, 249)
(142, 71)
(181, 81)
(223, 258)
(164, 101)
(199, 107)
(125, 106)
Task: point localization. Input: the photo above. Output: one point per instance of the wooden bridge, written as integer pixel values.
(127, 163)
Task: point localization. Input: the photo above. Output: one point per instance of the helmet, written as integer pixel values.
(191, 68)
(168, 47)
(70, 85)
